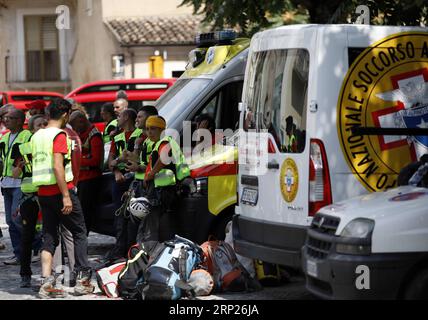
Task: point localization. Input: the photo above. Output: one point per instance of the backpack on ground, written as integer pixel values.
(107, 279)
(170, 266)
(133, 272)
(228, 273)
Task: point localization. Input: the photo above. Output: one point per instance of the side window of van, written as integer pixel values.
(277, 96)
(210, 108)
(223, 106)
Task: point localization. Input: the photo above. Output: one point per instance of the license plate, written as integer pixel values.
(250, 196)
(312, 268)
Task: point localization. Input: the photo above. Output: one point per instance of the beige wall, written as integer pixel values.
(133, 8)
(89, 44)
(86, 69)
(95, 45)
(9, 37)
(176, 60)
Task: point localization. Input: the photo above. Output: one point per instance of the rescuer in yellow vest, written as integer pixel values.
(121, 147)
(139, 159)
(137, 163)
(52, 174)
(10, 186)
(109, 117)
(292, 140)
(29, 206)
(3, 130)
(166, 168)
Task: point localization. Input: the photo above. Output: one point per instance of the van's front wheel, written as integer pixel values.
(418, 287)
(218, 229)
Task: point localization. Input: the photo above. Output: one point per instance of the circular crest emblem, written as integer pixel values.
(386, 87)
(289, 180)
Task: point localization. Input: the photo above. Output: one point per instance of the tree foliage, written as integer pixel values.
(399, 12)
(250, 16)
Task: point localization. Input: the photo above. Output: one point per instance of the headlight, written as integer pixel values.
(360, 231)
(358, 228)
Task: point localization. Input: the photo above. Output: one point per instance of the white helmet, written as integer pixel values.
(139, 207)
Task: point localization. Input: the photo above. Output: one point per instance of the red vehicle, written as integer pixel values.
(140, 92)
(20, 98)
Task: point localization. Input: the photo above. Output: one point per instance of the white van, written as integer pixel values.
(370, 247)
(307, 86)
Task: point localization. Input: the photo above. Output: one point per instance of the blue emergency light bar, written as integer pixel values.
(213, 38)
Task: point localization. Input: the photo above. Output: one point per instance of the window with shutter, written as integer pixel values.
(41, 48)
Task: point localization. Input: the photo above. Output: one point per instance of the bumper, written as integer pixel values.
(270, 242)
(349, 277)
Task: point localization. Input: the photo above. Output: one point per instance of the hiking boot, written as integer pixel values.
(48, 290)
(83, 283)
(25, 282)
(2, 246)
(71, 282)
(13, 261)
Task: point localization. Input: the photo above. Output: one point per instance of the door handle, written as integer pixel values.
(273, 165)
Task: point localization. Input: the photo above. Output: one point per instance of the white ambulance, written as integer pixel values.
(305, 88)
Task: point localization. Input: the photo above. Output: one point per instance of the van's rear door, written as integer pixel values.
(275, 187)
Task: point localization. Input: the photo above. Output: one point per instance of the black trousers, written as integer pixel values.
(161, 224)
(29, 210)
(134, 223)
(87, 191)
(52, 218)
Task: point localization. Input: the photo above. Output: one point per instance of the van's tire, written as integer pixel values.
(418, 287)
(219, 226)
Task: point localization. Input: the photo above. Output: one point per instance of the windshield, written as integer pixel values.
(172, 103)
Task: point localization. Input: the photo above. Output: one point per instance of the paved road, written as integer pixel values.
(98, 245)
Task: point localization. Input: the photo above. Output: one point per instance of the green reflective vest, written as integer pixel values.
(177, 170)
(291, 142)
(6, 152)
(27, 185)
(106, 136)
(121, 144)
(146, 151)
(42, 152)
